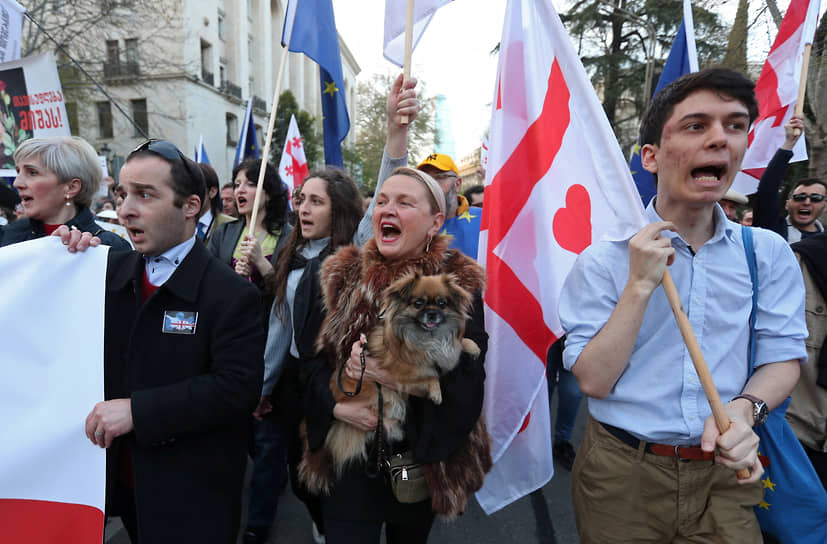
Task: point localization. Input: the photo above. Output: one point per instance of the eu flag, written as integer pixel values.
(247, 147)
(682, 59)
(309, 28)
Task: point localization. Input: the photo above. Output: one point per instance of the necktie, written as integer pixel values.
(199, 231)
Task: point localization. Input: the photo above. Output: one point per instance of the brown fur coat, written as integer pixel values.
(451, 438)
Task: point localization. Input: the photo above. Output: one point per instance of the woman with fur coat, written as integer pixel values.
(449, 438)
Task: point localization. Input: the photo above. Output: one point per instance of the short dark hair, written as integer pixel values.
(474, 190)
(211, 181)
(185, 176)
(723, 81)
(276, 191)
(807, 182)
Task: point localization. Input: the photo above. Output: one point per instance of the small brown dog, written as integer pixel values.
(419, 337)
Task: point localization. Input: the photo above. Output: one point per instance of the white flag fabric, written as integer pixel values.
(52, 478)
(11, 29)
(557, 180)
(293, 164)
(395, 19)
(777, 94)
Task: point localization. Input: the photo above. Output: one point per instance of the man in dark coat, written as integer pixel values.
(183, 349)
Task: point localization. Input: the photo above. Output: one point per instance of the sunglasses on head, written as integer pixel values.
(814, 197)
(170, 152)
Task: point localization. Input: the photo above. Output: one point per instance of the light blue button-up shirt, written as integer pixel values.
(160, 268)
(658, 397)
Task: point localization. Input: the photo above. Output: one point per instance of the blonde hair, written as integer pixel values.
(69, 157)
(434, 191)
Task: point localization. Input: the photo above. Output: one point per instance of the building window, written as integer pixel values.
(206, 63)
(139, 114)
(72, 117)
(250, 47)
(131, 46)
(222, 73)
(221, 29)
(113, 52)
(232, 130)
(104, 119)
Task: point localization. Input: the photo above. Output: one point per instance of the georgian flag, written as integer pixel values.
(293, 165)
(777, 94)
(556, 181)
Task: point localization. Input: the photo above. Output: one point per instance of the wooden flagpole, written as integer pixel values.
(266, 152)
(718, 412)
(802, 85)
(409, 22)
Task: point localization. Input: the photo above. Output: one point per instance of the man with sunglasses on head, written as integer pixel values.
(183, 362)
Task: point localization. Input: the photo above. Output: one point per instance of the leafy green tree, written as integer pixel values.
(613, 37)
(366, 156)
(311, 138)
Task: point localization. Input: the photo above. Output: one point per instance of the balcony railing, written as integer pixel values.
(231, 89)
(208, 77)
(259, 103)
(121, 70)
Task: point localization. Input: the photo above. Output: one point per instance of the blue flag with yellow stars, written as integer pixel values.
(682, 59)
(310, 28)
(247, 147)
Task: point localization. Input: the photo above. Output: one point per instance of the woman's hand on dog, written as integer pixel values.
(373, 372)
(358, 411)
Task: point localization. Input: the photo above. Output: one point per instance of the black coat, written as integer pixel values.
(192, 394)
(29, 229)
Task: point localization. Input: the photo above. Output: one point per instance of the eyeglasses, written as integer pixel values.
(814, 197)
(168, 151)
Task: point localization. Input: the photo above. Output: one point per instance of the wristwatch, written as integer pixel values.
(759, 408)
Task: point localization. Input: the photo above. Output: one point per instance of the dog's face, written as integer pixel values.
(428, 301)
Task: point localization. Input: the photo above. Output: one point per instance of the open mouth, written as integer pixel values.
(430, 319)
(805, 212)
(241, 201)
(390, 232)
(136, 235)
(709, 174)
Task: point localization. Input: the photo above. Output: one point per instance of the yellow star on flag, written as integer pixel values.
(768, 484)
(444, 231)
(764, 504)
(330, 88)
(636, 149)
(466, 216)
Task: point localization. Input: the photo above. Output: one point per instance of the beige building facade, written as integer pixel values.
(186, 68)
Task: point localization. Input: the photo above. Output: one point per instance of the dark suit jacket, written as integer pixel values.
(192, 394)
(224, 239)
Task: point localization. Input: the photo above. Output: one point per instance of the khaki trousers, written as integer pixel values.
(621, 494)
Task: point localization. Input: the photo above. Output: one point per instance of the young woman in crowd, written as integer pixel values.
(57, 178)
(233, 243)
(407, 216)
(328, 208)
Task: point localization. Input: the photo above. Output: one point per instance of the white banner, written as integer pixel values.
(52, 478)
(11, 29)
(31, 105)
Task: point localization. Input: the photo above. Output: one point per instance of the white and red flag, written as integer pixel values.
(52, 478)
(395, 18)
(557, 180)
(293, 165)
(777, 93)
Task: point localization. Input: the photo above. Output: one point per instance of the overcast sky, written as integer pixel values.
(454, 58)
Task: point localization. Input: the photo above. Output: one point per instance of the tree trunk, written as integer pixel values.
(736, 53)
(815, 117)
(611, 91)
(776, 15)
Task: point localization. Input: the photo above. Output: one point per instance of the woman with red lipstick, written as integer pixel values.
(328, 208)
(56, 179)
(448, 439)
(253, 256)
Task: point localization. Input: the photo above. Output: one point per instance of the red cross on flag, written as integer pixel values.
(293, 165)
(557, 180)
(777, 93)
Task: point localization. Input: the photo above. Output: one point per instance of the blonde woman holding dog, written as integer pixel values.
(446, 441)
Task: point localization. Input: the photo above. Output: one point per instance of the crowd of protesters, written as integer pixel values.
(314, 278)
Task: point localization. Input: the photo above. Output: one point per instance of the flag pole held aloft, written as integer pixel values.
(409, 21)
(802, 84)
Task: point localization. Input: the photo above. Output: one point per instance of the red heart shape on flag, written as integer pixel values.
(572, 225)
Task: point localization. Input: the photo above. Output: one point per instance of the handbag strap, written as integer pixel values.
(749, 250)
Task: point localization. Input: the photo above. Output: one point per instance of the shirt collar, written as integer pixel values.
(206, 219)
(723, 226)
(160, 268)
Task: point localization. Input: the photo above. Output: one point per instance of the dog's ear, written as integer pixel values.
(403, 287)
(461, 297)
